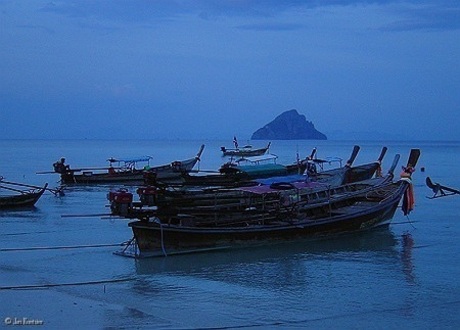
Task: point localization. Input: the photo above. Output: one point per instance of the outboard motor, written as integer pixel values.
(120, 202)
(147, 195)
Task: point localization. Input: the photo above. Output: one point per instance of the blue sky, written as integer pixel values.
(213, 69)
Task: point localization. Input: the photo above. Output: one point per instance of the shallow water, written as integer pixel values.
(402, 276)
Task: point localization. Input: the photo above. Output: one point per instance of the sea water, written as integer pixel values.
(58, 269)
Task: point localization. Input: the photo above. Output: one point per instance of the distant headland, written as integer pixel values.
(290, 125)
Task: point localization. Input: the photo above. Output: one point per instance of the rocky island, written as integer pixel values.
(290, 125)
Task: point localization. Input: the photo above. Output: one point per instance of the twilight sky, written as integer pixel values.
(214, 69)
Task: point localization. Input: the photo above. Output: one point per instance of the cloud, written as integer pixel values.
(128, 11)
(173, 62)
(427, 17)
(413, 15)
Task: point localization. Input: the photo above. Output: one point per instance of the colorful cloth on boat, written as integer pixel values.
(408, 200)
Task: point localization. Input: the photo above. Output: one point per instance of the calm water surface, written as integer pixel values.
(405, 276)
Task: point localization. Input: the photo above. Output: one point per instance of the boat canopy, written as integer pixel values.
(130, 160)
(329, 160)
(257, 159)
(266, 170)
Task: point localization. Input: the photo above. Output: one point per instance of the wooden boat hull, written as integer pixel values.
(101, 178)
(244, 152)
(154, 239)
(173, 171)
(23, 200)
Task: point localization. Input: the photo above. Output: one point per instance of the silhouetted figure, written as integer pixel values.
(60, 166)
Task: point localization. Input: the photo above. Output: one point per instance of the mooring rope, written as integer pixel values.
(310, 322)
(45, 286)
(402, 223)
(158, 221)
(408, 219)
(60, 247)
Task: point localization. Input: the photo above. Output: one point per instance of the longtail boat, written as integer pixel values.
(127, 172)
(245, 151)
(241, 171)
(162, 235)
(14, 195)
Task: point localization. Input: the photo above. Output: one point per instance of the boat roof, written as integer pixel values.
(262, 169)
(327, 160)
(257, 159)
(130, 160)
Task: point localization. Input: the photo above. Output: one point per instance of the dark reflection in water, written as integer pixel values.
(32, 212)
(406, 257)
(288, 280)
(292, 261)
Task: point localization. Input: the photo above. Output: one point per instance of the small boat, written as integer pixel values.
(17, 196)
(240, 171)
(245, 151)
(323, 212)
(126, 171)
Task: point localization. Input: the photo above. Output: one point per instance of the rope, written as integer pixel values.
(408, 220)
(307, 322)
(59, 247)
(401, 223)
(161, 233)
(44, 286)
